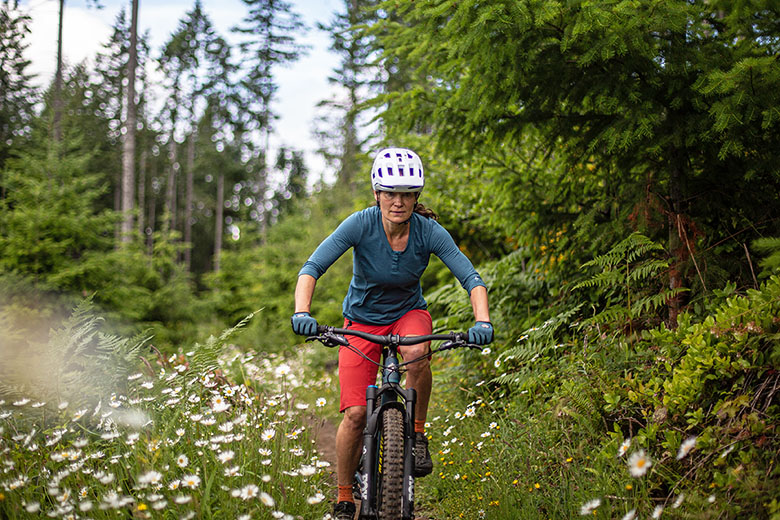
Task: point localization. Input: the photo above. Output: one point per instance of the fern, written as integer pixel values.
(78, 364)
(771, 264)
(583, 402)
(536, 348)
(205, 358)
(628, 277)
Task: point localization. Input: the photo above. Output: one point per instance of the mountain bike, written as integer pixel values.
(385, 475)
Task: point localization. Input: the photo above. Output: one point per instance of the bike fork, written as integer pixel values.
(368, 467)
(407, 503)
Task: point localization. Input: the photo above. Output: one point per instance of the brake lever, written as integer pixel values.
(449, 345)
(330, 340)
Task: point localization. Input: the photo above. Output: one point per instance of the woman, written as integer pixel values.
(392, 243)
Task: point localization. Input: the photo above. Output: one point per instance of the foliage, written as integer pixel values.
(643, 108)
(265, 277)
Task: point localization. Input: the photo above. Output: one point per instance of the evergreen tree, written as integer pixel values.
(340, 128)
(268, 35)
(17, 95)
(51, 230)
(56, 91)
(196, 63)
(291, 165)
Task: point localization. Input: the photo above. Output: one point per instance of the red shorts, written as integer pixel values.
(355, 373)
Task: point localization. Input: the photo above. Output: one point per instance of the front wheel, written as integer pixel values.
(391, 465)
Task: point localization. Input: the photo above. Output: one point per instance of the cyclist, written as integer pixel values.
(392, 243)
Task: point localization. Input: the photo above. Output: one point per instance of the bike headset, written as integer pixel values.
(397, 170)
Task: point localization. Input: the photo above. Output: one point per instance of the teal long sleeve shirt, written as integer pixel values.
(385, 283)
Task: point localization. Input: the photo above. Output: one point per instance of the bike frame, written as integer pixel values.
(378, 399)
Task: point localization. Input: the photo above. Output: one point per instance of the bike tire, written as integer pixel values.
(391, 469)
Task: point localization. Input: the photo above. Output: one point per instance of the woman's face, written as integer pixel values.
(397, 207)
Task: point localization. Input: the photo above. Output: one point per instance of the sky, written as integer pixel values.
(301, 85)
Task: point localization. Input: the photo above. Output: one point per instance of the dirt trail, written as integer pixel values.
(324, 433)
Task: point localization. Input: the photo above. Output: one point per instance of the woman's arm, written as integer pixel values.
(479, 303)
(304, 291)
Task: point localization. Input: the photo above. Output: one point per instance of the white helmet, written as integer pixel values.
(397, 169)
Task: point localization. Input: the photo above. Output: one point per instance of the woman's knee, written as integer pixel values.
(420, 354)
(355, 417)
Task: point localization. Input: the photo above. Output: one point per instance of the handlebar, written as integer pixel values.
(334, 337)
(392, 339)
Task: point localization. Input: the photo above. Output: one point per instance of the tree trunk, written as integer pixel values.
(56, 101)
(170, 192)
(219, 220)
(128, 150)
(142, 190)
(676, 247)
(189, 196)
(151, 223)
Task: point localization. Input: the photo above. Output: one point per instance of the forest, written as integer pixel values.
(610, 167)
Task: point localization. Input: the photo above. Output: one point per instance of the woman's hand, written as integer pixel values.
(304, 324)
(481, 333)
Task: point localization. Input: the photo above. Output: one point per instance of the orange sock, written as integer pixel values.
(345, 494)
(419, 426)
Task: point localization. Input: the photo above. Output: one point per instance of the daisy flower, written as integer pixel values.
(251, 491)
(307, 471)
(686, 447)
(218, 404)
(268, 434)
(630, 515)
(267, 499)
(657, 511)
(225, 456)
(150, 477)
(624, 447)
(190, 481)
(588, 507)
(316, 499)
(639, 463)
(320, 402)
(182, 461)
(678, 501)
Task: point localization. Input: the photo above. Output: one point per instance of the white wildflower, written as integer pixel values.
(267, 499)
(588, 507)
(686, 447)
(639, 463)
(624, 447)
